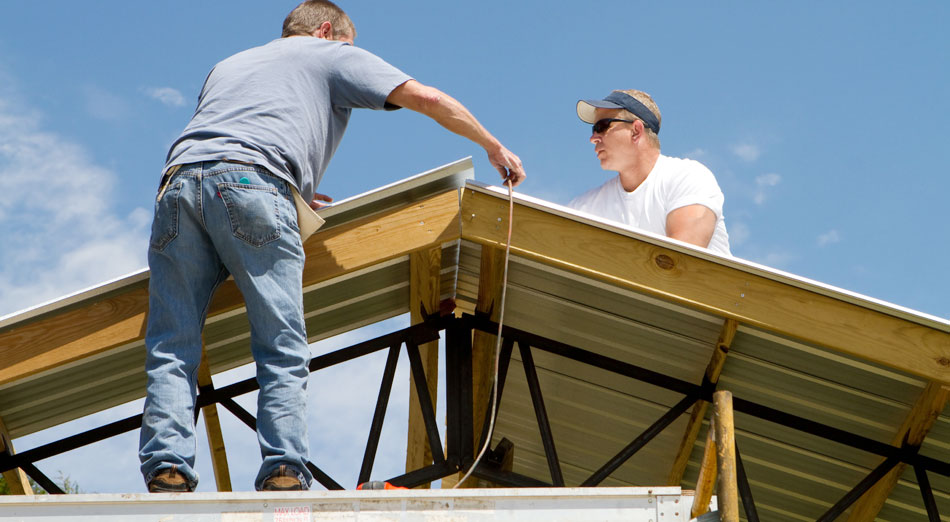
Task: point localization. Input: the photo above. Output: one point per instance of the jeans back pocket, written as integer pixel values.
(165, 222)
(252, 211)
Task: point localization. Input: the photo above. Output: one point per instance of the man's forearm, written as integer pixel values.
(451, 114)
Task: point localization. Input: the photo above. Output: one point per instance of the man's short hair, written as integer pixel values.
(310, 15)
(647, 101)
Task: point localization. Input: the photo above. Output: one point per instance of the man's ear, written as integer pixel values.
(637, 130)
(325, 31)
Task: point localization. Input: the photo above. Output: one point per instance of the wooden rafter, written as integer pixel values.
(219, 456)
(713, 370)
(425, 267)
(913, 431)
(117, 320)
(16, 479)
(710, 286)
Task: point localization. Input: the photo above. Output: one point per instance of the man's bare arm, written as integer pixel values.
(693, 224)
(452, 115)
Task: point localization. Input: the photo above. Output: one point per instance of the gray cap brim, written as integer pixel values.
(586, 109)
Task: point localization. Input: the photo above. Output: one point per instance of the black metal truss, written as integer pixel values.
(704, 391)
(459, 444)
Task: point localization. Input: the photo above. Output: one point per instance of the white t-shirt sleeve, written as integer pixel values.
(694, 184)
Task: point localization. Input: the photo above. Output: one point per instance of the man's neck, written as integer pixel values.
(632, 178)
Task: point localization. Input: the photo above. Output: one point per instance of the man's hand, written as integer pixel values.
(318, 201)
(508, 165)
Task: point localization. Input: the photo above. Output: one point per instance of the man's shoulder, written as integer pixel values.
(592, 196)
(674, 165)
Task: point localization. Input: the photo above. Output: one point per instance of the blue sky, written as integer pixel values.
(823, 122)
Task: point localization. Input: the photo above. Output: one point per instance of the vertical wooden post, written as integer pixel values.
(219, 456)
(425, 271)
(16, 479)
(726, 453)
(706, 481)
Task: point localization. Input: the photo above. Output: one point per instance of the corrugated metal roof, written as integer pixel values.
(563, 285)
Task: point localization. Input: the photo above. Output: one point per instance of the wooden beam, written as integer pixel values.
(728, 491)
(17, 481)
(706, 481)
(914, 430)
(73, 334)
(713, 369)
(425, 273)
(490, 277)
(710, 286)
(119, 319)
(219, 456)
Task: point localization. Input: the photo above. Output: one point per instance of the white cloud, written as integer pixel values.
(696, 153)
(747, 152)
(762, 184)
(776, 259)
(57, 225)
(167, 95)
(828, 238)
(738, 233)
(103, 104)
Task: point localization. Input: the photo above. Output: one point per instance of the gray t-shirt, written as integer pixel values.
(284, 106)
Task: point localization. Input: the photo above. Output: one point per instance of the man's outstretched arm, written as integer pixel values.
(452, 115)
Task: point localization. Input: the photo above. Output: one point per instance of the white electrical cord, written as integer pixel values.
(501, 320)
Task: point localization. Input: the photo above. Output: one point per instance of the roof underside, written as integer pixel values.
(559, 287)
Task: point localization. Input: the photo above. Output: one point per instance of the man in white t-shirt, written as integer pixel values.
(678, 198)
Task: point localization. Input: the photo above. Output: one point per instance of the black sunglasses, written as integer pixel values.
(601, 126)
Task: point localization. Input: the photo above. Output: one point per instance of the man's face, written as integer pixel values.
(614, 146)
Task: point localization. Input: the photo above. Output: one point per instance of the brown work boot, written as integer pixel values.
(282, 479)
(169, 480)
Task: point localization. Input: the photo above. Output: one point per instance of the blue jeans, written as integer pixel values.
(214, 219)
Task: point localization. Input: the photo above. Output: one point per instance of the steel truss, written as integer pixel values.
(459, 444)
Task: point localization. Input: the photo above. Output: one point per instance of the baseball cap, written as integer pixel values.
(618, 100)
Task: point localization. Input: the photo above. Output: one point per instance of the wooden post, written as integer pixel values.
(713, 370)
(219, 456)
(726, 453)
(706, 481)
(425, 268)
(16, 479)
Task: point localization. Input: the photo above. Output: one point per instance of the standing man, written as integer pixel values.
(675, 197)
(267, 123)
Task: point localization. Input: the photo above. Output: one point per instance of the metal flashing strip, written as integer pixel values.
(447, 177)
(60, 304)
